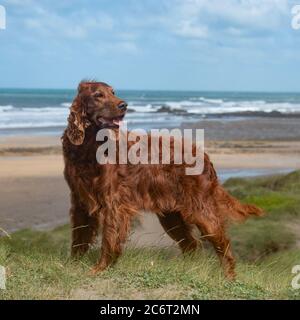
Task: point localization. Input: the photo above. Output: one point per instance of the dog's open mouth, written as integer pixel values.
(111, 122)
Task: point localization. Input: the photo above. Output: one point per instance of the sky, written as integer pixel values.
(236, 45)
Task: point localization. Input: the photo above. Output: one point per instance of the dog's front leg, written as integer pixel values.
(84, 227)
(114, 234)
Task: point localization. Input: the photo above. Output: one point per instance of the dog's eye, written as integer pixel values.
(113, 92)
(98, 95)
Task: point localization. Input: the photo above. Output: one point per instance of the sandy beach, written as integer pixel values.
(34, 194)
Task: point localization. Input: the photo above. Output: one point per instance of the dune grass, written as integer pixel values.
(39, 267)
(279, 229)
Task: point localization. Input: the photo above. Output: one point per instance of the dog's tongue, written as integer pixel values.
(117, 122)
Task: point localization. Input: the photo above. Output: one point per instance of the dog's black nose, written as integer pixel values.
(122, 106)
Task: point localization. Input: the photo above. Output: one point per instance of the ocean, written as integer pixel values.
(45, 111)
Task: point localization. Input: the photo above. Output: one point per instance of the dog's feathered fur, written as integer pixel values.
(110, 196)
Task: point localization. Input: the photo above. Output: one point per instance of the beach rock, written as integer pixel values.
(167, 109)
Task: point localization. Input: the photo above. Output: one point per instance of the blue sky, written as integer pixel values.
(151, 44)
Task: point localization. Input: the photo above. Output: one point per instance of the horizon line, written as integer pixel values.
(161, 90)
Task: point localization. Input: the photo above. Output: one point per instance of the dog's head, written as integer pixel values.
(95, 104)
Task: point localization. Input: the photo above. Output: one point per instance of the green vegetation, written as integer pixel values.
(279, 229)
(267, 248)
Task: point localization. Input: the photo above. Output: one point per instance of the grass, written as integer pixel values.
(279, 197)
(39, 267)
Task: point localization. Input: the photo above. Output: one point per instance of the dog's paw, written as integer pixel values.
(231, 276)
(96, 270)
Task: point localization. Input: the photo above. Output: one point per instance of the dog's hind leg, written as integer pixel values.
(178, 230)
(84, 227)
(214, 231)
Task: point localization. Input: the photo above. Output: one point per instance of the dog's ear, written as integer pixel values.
(77, 122)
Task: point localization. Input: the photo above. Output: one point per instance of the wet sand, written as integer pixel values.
(253, 129)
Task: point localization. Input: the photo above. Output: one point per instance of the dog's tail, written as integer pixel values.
(234, 209)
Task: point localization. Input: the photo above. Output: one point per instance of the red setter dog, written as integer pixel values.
(110, 196)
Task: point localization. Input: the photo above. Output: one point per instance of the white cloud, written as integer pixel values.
(76, 25)
(196, 18)
(188, 29)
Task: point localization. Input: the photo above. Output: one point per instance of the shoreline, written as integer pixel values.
(221, 128)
